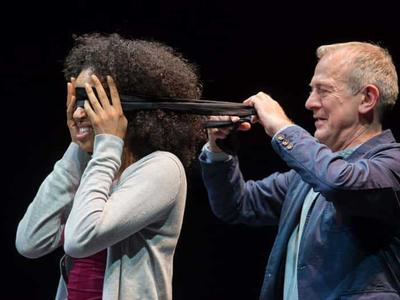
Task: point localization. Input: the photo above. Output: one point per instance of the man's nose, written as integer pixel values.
(313, 101)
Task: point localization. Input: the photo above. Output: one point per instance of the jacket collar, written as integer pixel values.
(381, 140)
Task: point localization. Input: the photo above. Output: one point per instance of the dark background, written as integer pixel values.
(240, 48)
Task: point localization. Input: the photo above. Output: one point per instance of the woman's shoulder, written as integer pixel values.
(158, 164)
(160, 157)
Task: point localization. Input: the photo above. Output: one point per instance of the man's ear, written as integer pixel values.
(370, 99)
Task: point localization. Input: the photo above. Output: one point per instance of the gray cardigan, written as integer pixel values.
(138, 218)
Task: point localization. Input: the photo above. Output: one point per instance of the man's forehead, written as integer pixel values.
(331, 69)
(317, 81)
(322, 78)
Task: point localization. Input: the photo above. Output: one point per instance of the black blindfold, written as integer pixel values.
(189, 106)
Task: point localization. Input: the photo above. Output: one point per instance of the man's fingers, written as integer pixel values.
(244, 126)
(249, 101)
(222, 132)
(219, 133)
(220, 118)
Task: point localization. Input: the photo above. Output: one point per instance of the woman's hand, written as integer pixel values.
(71, 100)
(104, 116)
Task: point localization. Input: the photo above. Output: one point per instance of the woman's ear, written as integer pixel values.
(370, 99)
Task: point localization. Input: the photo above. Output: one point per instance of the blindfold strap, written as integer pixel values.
(190, 106)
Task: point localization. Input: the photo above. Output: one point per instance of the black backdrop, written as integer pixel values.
(240, 49)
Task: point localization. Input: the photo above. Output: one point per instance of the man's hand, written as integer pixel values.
(221, 133)
(269, 113)
(104, 116)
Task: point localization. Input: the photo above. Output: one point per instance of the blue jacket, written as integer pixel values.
(350, 248)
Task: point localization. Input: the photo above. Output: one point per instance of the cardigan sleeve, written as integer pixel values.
(40, 230)
(102, 216)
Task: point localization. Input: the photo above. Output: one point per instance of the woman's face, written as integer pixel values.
(85, 135)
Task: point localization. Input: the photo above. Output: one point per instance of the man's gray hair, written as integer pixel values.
(371, 64)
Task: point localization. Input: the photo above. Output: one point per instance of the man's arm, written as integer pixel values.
(366, 187)
(235, 201)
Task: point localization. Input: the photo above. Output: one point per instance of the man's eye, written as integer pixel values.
(323, 91)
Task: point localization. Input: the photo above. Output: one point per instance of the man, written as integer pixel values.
(337, 208)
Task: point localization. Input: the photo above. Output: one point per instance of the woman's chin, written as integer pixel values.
(86, 146)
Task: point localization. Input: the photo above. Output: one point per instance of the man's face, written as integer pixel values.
(85, 135)
(334, 105)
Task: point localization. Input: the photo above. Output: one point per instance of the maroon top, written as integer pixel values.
(85, 279)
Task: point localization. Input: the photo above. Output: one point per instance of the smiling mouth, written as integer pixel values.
(84, 133)
(319, 122)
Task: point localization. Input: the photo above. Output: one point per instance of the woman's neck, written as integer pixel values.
(127, 158)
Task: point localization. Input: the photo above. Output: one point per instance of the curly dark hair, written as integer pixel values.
(145, 68)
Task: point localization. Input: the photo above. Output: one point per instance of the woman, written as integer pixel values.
(115, 201)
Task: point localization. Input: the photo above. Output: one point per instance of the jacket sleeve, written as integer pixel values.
(40, 230)
(367, 186)
(235, 201)
(145, 194)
